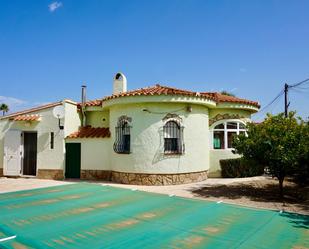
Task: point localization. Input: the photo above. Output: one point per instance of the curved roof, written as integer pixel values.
(220, 98)
(164, 90)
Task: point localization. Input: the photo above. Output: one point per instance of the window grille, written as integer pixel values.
(122, 142)
(173, 138)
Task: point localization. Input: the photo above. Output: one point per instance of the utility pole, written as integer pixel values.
(286, 104)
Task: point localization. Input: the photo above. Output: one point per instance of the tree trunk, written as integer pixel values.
(281, 187)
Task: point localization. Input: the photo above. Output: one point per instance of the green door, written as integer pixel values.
(72, 160)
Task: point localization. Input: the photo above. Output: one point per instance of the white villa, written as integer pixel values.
(153, 136)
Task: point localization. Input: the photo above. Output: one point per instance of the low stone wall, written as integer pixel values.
(96, 175)
(129, 178)
(158, 179)
(55, 174)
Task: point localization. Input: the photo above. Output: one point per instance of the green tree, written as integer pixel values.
(302, 170)
(4, 108)
(227, 93)
(279, 143)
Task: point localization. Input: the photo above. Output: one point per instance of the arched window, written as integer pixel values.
(173, 138)
(224, 132)
(122, 142)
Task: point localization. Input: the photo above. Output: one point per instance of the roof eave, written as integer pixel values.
(243, 106)
(159, 99)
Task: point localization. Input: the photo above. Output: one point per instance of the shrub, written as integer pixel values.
(238, 167)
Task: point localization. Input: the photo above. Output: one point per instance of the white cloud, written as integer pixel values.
(40, 103)
(10, 101)
(14, 104)
(53, 6)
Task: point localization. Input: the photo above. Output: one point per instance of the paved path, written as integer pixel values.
(17, 184)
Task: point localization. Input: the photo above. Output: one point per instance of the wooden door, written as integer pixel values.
(72, 160)
(30, 153)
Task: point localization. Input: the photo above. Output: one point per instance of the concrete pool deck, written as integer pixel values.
(17, 184)
(191, 190)
(85, 215)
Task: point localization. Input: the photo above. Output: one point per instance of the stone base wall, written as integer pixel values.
(96, 175)
(129, 178)
(158, 179)
(56, 174)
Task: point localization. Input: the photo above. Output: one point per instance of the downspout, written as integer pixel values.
(84, 105)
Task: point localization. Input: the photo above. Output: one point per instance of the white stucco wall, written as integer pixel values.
(72, 120)
(95, 153)
(147, 154)
(243, 113)
(215, 155)
(98, 118)
(47, 158)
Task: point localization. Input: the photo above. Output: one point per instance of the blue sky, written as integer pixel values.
(48, 49)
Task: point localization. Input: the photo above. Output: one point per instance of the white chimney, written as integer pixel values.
(120, 83)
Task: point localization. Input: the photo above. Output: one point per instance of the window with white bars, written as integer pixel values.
(173, 138)
(224, 132)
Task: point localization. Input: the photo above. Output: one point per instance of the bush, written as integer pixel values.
(238, 167)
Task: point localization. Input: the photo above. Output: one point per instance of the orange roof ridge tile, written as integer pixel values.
(38, 108)
(29, 117)
(158, 89)
(90, 132)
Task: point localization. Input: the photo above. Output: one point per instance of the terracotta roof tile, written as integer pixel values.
(96, 102)
(226, 98)
(164, 90)
(33, 117)
(157, 90)
(39, 108)
(90, 132)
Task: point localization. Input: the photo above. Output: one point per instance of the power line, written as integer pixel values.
(275, 105)
(299, 83)
(271, 102)
(299, 87)
(299, 91)
(295, 87)
(286, 89)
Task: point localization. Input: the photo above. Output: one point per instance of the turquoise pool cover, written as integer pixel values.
(86, 215)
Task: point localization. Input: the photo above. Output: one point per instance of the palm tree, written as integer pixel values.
(4, 108)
